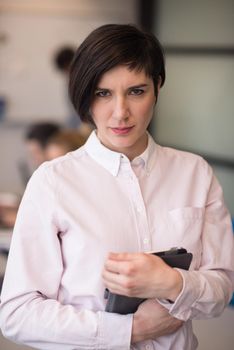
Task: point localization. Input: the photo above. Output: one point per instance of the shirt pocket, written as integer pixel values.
(185, 227)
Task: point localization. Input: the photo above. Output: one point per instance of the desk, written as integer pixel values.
(5, 239)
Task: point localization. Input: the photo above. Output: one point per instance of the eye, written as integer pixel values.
(136, 91)
(102, 93)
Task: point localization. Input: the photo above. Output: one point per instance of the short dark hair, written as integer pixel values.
(41, 132)
(105, 48)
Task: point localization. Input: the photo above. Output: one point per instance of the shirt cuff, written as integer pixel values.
(181, 308)
(115, 331)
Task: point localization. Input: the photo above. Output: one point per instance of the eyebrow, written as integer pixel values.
(130, 87)
(138, 86)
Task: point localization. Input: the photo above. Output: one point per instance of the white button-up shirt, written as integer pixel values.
(79, 207)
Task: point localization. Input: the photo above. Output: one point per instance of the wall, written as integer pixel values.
(31, 32)
(195, 110)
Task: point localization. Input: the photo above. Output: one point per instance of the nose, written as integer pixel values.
(120, 108)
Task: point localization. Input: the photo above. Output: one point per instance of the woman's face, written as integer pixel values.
(122, 109)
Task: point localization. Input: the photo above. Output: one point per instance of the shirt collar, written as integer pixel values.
(111, 160)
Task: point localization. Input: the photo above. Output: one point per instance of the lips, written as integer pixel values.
(122, 130)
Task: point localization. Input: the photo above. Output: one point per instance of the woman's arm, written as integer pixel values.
(208, 290)
(195, 294)
(30, 310)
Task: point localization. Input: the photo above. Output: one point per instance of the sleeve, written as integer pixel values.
(208, 290)
(30, 312)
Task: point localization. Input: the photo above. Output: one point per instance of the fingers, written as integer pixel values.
(120, 267)
(122, 263)
(123, 270)
(123, 256)
(152, 321)
(130, 264)
(173, 325)
(133, 273)
(117, 275)
(117, 283)
(120, 275)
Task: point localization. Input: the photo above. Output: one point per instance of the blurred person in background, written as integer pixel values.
(62, 60)
(44, 141)
(36, 138)
(63, 142)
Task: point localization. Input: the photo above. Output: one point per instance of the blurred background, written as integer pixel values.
(195, 109)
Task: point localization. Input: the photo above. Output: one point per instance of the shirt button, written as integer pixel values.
(146, 241)
(148, 347)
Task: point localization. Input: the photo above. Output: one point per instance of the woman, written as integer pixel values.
(124, 194)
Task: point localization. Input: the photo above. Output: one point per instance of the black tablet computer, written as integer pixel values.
(175, 257)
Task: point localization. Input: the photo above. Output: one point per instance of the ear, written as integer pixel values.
(158, 88)
(159, 83)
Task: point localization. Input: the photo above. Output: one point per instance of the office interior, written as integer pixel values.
(195, 107)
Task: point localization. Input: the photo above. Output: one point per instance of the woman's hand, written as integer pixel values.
(151, 321)
(141, 275)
